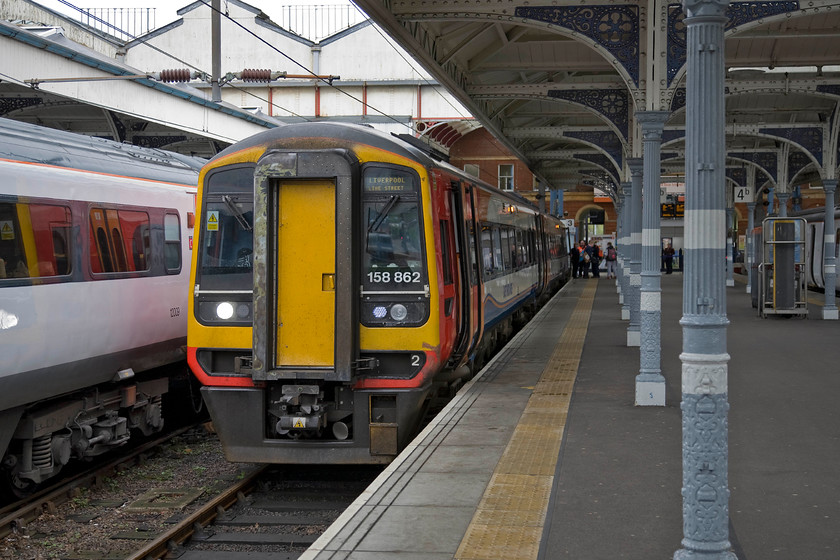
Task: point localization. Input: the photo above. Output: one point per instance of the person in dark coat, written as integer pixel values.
(574, 256)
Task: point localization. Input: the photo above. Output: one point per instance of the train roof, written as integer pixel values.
(366, 135)
(26, 142)
(336, 130)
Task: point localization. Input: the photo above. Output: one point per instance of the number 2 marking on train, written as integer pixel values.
(415, 360)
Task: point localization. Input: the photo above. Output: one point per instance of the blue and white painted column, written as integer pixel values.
(626, 249)
(730, 244)
(556, 202)
(705, 406)
(771, 201)
(650, 384)
(829, 250)
(783, 200)
(636, 165)
(748, 258)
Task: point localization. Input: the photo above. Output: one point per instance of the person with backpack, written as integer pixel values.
(583, 259)
(612, 257)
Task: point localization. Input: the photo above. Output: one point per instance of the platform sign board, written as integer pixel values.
(744, 194)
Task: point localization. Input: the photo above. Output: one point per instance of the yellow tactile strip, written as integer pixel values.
(508, 523)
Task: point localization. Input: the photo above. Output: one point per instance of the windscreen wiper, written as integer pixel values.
(383, 213)
(237, 213)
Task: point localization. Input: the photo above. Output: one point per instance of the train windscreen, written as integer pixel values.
(226, 261)
(392, 259)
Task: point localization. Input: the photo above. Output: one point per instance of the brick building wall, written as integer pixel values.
(480, 148)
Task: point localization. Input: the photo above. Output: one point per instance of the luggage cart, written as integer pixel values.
(782, 286)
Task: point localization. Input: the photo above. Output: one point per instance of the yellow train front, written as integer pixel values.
(336, 274)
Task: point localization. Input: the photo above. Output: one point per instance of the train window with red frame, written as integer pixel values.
(134, 230)
(116, 234)
(34, 240)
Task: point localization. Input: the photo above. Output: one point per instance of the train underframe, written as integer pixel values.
(46, 437)
(313, 421)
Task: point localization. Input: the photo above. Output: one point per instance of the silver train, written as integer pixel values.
(815, 242)
(95, 247)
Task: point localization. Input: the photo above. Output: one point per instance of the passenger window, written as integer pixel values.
(34, 240)
(119, 240)
(172, 245)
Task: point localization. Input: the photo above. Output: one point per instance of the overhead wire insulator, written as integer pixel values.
(175, 75)
(255, 75)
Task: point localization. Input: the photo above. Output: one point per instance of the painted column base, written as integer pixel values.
(730, 282)
(650, 390)
(634, 338)
(830, 314)
(625, 313)
(699, 555)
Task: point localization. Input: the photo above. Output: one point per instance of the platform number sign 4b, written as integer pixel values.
(744, 194)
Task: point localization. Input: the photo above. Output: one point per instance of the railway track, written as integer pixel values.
(178, 497)
(276, 512)
(14, 517)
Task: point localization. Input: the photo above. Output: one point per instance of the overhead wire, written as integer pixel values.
(326, 81)
(305, 69)
(175, 58)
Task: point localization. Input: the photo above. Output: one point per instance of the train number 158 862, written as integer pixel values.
(385, 277)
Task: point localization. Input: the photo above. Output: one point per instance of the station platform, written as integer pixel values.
(544, 456)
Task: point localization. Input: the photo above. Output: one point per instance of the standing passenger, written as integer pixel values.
(583, 260)
(668, 253)
(595, 260)
(611, 260)
(575, 258)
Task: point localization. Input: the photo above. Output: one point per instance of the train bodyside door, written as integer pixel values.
(466, 253)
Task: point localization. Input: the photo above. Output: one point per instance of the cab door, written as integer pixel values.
(306, 280)
(305, 257)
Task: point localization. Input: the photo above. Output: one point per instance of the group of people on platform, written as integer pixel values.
(587, 257)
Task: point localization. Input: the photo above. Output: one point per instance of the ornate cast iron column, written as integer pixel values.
(626, 248)
(705, 405)
(650, 385)
(830, 270)
(633, 331)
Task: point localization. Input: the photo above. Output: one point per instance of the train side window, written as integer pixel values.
(487, 250)
(33, 240)
(445, 252)
(172, 243)
(119, 250)
(134, 240)
(507, 248)
(473, 254)
(498, 263)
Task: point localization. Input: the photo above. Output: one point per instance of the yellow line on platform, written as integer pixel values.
(508, 523)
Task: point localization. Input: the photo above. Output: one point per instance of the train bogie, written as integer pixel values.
(363, 295)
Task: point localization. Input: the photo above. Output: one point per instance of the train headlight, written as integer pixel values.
(398, 312)
(224, 310)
